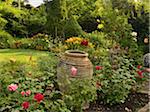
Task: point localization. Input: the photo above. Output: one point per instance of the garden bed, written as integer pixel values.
(133, 103)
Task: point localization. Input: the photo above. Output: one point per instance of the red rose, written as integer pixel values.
(140, 73)
(38, 97)
(141, 76)
(98, 67)
(84, 42)
(25, 105)
(139, 66)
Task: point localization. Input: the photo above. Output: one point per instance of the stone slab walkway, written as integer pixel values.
(146, 108)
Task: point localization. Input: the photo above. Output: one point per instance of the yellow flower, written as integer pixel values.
(79, 39)
(91, 45)
(69, 40)
(74, 39)
(66, 47)
(76, 42)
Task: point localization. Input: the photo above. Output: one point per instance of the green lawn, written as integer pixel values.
(23, 55)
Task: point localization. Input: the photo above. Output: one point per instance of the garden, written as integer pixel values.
(74, 56)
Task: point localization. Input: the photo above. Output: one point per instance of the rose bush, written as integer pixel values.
(114, 85)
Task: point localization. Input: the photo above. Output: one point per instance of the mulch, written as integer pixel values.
(134, 102)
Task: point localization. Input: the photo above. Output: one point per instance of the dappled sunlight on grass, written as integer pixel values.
(21, 54)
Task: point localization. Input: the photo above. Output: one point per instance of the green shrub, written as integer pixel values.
(26, 43)
(38, 79)
(41, 42)
(10, 71)
(13, 100)
(114, 23)
(102, 44)
(3, 22)
(72, 28)
(115, 84)
(47, 65)
(5, 39)
(99, 39)
(79, 93)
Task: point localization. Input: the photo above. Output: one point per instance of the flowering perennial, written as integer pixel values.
(12, 87)
(38, 97)
(25, 105)
(98, 67)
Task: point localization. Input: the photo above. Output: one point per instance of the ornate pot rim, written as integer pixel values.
(76, 53)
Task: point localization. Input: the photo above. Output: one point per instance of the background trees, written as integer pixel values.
(65, 18)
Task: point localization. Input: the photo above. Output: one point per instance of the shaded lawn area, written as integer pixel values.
(23, 55)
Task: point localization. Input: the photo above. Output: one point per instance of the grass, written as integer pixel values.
(23, 55)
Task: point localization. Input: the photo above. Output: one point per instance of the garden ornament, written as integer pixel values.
(146, 60)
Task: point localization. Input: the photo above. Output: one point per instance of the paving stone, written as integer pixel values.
(146, 108)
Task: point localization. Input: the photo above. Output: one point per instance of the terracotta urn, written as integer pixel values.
(77, 59)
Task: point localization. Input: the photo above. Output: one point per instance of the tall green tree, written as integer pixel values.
(8, 14)
(56, 16)
(35, 21)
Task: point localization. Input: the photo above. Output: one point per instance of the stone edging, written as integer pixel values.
(146, 108)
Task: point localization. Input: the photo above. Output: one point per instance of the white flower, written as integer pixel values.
(134, 34)
(46, 35)
(98, 20)
(135, 39)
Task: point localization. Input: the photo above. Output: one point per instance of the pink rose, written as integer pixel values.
(73, 71)
(12, 87)
(28, 93)
(23, 93)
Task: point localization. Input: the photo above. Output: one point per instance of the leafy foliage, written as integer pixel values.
(5, 39)
(35, 20)
(80, 92)
(115, 85)
(41, 42)
(3, 22)
(72, 28)
(10, 16)
(56, 17)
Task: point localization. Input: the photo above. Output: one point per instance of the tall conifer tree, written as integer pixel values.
(57, 14)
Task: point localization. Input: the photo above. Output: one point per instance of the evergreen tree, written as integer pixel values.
(57, 15)
(72, 28)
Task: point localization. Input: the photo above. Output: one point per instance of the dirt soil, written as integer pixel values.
(134, 102)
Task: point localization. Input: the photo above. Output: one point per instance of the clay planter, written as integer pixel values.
(77, 59)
